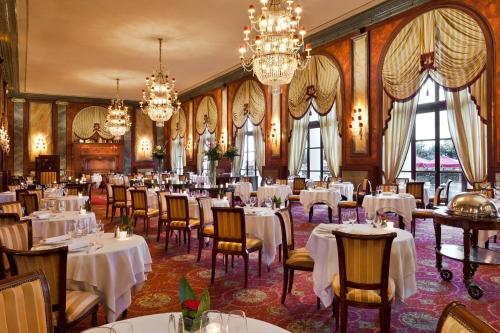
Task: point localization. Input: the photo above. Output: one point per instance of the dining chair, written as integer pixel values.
(9, 218)
(73, 189)
(69, 307)
(140, 208)
(30, 202)
(293, 259)
(19, 192)
(39, 194)
(363, 279)
(417, 190)
(455, 318)
(109, 197)
(206, 222)
(282, 181)
(182, 178)
(25, 301)
(120, 200)
(346, 204)
(141, 187)
(179, 219)
(47, 177)
(298, 185)
(12, 207)
(230, 238)
(17, 236)
(163, 216)
(363, 188)
(320, 184)
(426, 213)
(389, 187)
(444, 201)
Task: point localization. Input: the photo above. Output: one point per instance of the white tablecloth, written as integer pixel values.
(346, 189)
(7, 196)
(59, 224)
(115, 272)
(261, 223)
(329, 197)
(197, 179)
(96, 178)
(194, 209)
(322, 247)
(53, 192)
(243, 190)
(402, 189)
(158, 323)
(268, 191)
(67, 203)
(402, 204)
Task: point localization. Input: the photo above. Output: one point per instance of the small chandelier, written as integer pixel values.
(159, 99)
(117, 119)
(4, 140)
(275, 48)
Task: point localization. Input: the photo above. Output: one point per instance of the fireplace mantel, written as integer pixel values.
(97, 157)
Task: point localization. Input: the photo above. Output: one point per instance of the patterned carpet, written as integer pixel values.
(262, 299)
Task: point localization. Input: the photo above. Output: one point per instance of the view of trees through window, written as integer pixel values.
(314, 165)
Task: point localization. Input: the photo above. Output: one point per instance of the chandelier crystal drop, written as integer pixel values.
(273, 42)
(117, 119)
(159, 98)
(4, 140)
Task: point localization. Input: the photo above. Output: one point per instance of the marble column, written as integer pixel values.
(18, 135)
(61, 133)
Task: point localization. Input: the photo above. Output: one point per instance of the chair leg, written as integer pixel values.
(343, 317)
(200, 244)
(357, 214)
(318, 303)
(188, 233)
(160, 224)
(290, 284)
(226, 260)
(232, 261)
(335, 309)
(340, 215)
(413, 227)
(285, 285)
(94, 316)
(245, 259)
(385, 319)
(167, 237)
(214, 259)
(311, 210)
(330, 213)
(260, 263)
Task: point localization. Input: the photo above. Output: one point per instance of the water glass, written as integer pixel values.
(122, 327)
(211, 322)
(345, 216)
(62, 205)
(352, 216)
(236, 322)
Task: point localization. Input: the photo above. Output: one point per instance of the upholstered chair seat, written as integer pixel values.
(300, 258)
(348, 204)
(251, 244)
(208, 230)
(294, 197)
(182, 224)
(362, 295)
(150, 212)
(78, 303)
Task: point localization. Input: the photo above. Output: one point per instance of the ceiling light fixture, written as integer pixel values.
(117, 119)
(159, 99)
(276, 45)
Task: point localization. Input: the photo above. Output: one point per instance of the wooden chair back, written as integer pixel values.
(437, 196)
(416, 189)
(30, 202)
(25, 301)
(447, 192)
(364, 262)
(287, 237)
(390, 188)
(299, 184)
(119, 193)
(162, 201)
(177, 208)
(9, 218)
(455, 318)
(20, 192)
(109, 192)
(12, 207)
(39, 194)
(205, 205)
(48, 177)
(17, 236)
(229, 225)
(139, 200)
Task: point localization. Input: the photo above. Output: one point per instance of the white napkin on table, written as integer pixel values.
(78, 244)
(56, 239)
(41, 214)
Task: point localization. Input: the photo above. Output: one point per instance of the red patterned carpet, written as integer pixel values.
(262, 299)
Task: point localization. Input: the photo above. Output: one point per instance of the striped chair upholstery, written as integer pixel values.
(457, 319)
(179, 219)
(120, 200)
(320, 184)
(52, 262)
(30, 202)
(389, 188)
(282, 181)
(12, 207)
(363, 278)
(48, 177)
(19, 192)
(230, 237)
(12, 188)
(109, 197)
(16, 237)
(73, 190)
(417, 190)
(140, 207)
(25, 304)
(162, 205)
(299, 184)
(9, 218)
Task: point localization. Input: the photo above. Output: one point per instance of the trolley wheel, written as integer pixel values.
(474, 291)
(446, 274)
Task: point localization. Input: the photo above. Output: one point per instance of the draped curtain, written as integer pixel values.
(177, 154)
(297, 144)
(331, 140)
(239, 143)
(249, 103)
(446, 45)
(206, 115)
(260, 147)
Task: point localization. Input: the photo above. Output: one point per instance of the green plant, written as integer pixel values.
(127, 224)
(192, 307)
(214, 152)
(277, 201)
(231, 153)
(159, 152)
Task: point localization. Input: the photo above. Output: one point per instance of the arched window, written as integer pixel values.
(249, 164)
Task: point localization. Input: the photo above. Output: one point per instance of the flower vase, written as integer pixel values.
(191, 324)
(212, 174)
(159, 166)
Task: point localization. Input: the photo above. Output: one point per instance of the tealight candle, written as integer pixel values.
(390, 225)
(122, 234)
(83, 211)
(79, 194)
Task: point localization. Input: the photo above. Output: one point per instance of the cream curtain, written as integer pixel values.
(177, 154)
(201, 152)
(240, 145)
(178, 124)
(297, 144)
(332, 141)
(260, 147)
(397, 137)
(249, 103)
(84, 123)
(206, 115)
(469, 134)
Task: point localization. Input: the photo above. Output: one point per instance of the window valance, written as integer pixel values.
(445, 44)
(206, 115)
(249, 103)
(178, 125)
(318, 82)
(90, 121)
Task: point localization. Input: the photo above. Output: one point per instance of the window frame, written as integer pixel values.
(249, 135)
(307, 154)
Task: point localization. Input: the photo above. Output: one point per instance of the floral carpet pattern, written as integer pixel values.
(261, 300)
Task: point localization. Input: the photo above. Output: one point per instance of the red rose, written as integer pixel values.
(191, 304)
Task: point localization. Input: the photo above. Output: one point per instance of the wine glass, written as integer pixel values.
(122, 327)
(352, 216)
(211, 322)
(236, 322)
(345, 216)
(62, 205)
(252, 201)
(99, 228)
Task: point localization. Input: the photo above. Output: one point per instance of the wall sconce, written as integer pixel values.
(223, 139)
(189, 144)
(274, 134)
(40, 145)
(357, 122)
(145, 146)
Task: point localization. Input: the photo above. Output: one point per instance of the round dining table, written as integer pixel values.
(269, 191)
(158, 323)
(7, 196)
(402, 204)
(115, 269)
(47, 224)
(329, 197)
(243, 190)
(194, 208)
(345, 188)
(68, 203)
(322, 247)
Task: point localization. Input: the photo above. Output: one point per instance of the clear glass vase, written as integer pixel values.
(212, 172)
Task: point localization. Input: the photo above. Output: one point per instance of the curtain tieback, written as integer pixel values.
(311, 92)
(427, 62)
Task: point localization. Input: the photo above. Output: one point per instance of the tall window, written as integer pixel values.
(179, 152)
(205, 142)
(432, 156)
(249, 165)
(314, 165)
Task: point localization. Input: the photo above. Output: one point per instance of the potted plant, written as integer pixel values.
(231, 154)
(192, 307)
(213, 154)
(126, 228)
(158, 156)
(276, 202)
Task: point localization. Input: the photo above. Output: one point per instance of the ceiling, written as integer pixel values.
(78, 47)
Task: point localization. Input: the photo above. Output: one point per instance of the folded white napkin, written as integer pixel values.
(78, 244)
(387, 194)
(41, 214)
(57, 239)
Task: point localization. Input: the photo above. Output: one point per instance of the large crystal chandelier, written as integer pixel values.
(276, 44)
(159, 99)
(117, 119)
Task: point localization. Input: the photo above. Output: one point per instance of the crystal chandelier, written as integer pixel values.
(4, 140)
(117, 119)
(159, 99)
(276, 44)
